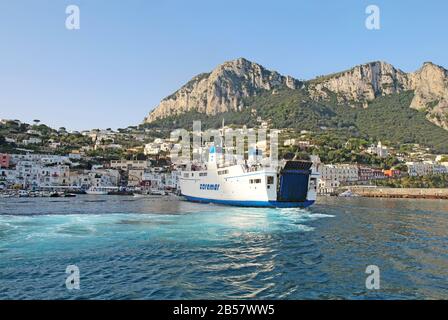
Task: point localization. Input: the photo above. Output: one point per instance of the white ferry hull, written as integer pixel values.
(248, 203)
(237, 186)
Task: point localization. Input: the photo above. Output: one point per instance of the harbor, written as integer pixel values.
(144, 248)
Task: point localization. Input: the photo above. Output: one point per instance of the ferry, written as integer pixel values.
(289, 185)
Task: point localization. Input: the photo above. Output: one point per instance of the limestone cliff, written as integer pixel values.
(225, 88)
(222, 90)
(363, 83)
(430, 85)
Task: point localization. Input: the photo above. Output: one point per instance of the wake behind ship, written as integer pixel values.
(293, 184)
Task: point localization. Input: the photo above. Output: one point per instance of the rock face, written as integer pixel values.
(365, 82)
(222, 90)
(225, 88)
(430, 85)
(360, 84)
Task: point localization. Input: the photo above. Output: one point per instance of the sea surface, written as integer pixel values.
(141, 248)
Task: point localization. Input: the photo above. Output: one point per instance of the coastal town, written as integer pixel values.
(36, 160)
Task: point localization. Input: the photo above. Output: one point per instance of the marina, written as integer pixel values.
(214, 159)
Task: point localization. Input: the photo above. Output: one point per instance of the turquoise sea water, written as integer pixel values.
(140, 248)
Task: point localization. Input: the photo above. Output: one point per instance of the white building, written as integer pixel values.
(327, 186)
(425, 168)
(159, 145)
(95, 178)
(34, 132)
(152, 149)
(379, 150)
(298, 143)
(333, 175)
(40, 158)
(440, 159)
(54, 145)
(32, 140)
(80, 179)
(104, 178)
(54, 176)
(166, 146)
(38, 170)
(290, 142)
(129, 164)
(160, 180)
(339, 172)
(31, 174)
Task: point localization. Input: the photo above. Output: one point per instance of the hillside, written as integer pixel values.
(386, 118)
(221, 90)
(374, 100)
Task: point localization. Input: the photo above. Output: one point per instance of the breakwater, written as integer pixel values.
(412, 193)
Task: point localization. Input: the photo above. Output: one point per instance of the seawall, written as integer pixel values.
(412, 193)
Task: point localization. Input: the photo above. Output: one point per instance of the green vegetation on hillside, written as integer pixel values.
(388, 118)
(430, 181)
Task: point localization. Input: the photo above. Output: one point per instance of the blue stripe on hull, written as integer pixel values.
(272, 204)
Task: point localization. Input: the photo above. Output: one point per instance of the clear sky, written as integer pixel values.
(128, 55)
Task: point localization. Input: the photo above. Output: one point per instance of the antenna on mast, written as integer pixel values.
(222, 133)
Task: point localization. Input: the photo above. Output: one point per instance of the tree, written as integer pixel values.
(302, 155)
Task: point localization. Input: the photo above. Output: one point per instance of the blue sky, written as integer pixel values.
(128, 55)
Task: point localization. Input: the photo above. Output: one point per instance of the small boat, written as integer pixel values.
(23, 194)
(158, 192)
(5, 195)
(138, 195)
(54, 195)
(97, 191)
(348, 194)
(69, 195)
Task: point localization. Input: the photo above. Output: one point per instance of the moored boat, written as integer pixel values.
(97, 191)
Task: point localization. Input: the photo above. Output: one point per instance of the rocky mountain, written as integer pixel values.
(430, 85)
(360, 84)
(226, 88)
(364, 83)
(222, 90)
